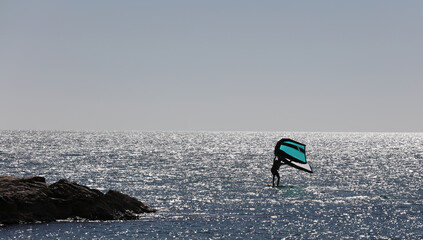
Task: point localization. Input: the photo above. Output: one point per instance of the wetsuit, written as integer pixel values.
(275, 167)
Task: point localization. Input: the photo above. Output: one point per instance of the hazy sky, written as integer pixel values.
(212, 65)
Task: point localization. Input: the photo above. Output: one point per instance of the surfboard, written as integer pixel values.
(281, 186)
(288, 190)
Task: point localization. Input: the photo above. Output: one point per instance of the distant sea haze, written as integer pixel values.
(213, 185)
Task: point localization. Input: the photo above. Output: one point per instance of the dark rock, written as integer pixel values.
(31, 199)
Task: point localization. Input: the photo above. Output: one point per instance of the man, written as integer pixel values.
(277, 163)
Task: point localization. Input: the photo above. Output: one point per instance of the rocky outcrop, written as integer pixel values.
(32, 199)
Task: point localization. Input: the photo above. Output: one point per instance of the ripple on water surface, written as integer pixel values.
(214, 184)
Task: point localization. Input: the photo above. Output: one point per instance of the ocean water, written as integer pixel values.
(213, 185)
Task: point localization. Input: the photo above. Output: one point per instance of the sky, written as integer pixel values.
(212, 65)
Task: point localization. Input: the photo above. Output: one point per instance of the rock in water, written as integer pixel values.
(32, 199)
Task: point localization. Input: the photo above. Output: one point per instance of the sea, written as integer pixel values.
(213, 185)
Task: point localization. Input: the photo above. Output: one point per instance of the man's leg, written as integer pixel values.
(279, 178)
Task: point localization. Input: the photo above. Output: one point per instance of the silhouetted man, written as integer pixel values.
(277, 163)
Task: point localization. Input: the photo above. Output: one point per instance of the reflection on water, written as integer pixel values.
(214, 184)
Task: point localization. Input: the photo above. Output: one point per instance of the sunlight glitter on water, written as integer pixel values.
(213, 184)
